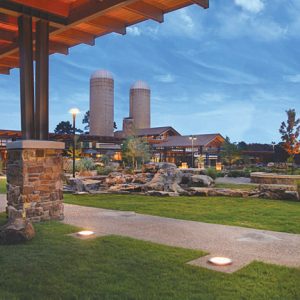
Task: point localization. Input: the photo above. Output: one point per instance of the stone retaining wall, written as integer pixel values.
(273, 178)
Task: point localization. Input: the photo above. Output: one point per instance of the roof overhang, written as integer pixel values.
(73, 22)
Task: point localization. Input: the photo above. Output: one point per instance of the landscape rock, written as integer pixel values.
(16, 231)
(142, 178)
(167, 179)
(79, 185)
(118, 178)
(215, 192)
(276, 192)
(201, 181)
(133, 188)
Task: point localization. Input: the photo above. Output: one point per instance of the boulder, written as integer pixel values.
(16, 231)
(118, 178)
(276, 192)
(201, 181)
(79, 185)
(167, 179)
(142, 178)
(132, 188)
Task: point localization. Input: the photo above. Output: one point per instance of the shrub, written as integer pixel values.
(85, 164)
(238, 173)
(104, 170)
(211, 172)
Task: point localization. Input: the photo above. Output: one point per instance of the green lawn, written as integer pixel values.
(2, 186)
(247, 212)
(56, 266)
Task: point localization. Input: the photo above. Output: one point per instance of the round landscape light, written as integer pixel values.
(220, 261)
(85, 233)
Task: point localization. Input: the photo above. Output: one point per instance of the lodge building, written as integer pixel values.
(167, 145)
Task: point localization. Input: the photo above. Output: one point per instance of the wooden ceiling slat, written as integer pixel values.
(86, 20)
(79, 36)
(147, 10)
(108, 23)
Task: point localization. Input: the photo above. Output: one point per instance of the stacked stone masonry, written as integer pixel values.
(34, 186)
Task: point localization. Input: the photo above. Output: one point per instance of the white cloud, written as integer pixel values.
(134, 30)
(187, 20)
(165, 78)
(254, 6)
(292, 78)
(233, 25)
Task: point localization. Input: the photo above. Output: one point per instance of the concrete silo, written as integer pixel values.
(140, 104)
(102, 103)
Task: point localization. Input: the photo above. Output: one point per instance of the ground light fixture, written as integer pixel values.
(220, 261)
(85, 233)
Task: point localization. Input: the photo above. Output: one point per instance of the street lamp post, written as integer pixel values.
(192, 138)
(74, 112)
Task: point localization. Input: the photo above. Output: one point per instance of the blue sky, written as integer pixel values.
(233, 69)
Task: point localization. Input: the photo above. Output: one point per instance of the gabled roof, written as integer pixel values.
(150, 131)
(73, 22)
(156, 131)
(185, 141)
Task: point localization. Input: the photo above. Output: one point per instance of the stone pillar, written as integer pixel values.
(34, 179)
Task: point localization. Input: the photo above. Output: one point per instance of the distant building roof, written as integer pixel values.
(184, 141)
(150, 131)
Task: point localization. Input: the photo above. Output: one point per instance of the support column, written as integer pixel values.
(26, 77)
(34, 180)
(42, 80)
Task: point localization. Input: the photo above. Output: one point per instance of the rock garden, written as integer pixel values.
(165, 179)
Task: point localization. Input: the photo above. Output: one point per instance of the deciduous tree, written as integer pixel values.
(290, 131)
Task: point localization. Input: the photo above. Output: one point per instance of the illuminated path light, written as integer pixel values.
(220, 261)
(85, 233)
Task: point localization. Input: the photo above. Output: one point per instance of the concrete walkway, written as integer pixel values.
(242, 245)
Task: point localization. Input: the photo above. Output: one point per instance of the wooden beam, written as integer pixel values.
(15, 9)
(108, 23)
(80, 36)
(4, 71)
(146, 10)
(10, 62)
(94, 8)
(55, 7)
(57, 47)
(8, 35)
(202, 3)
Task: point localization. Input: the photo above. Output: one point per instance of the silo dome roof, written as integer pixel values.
(102, 74)
(140, 85)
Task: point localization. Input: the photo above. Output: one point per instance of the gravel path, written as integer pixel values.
(242, 245)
